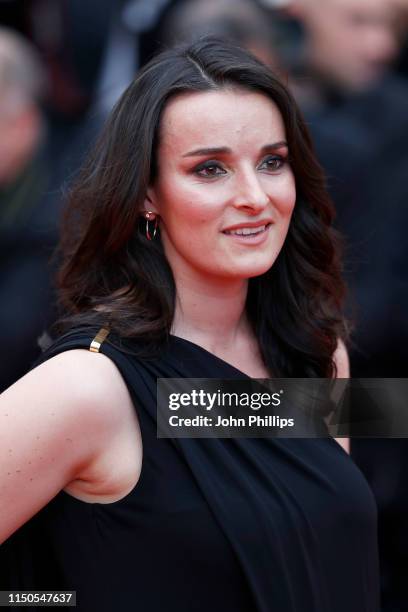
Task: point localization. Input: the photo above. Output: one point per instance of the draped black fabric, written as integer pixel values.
(245, 524)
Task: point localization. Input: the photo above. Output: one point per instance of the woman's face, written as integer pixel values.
(225, 190)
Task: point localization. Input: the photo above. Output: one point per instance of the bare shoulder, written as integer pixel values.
(55, 422)
(74, 384)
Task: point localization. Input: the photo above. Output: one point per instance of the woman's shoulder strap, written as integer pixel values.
(88, 337)
(139, 378)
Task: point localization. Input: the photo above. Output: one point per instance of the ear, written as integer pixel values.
(150, 200)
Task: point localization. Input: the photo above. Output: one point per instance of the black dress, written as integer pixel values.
(213, 525)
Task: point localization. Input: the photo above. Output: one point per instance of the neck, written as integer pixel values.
(211, 313)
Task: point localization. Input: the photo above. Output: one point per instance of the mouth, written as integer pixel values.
(248, 232)
(250, 237)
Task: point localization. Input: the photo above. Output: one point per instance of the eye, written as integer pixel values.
(273, 163)
(209, 169)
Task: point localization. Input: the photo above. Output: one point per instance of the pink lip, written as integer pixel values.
(251, 239)
(247, 224)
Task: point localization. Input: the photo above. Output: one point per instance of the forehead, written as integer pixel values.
(220, 118)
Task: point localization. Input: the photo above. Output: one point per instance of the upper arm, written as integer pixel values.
(53, 422)
(341, 359)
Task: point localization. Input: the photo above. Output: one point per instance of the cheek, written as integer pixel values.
(284, 196)
(290, 200)
(188, 206)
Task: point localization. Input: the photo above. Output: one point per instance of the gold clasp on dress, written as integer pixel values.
(99, 338)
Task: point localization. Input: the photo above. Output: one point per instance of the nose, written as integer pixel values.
(249, 193)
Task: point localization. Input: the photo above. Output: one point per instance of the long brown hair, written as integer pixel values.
(110, 274)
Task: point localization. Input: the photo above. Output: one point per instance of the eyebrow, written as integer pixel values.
(227, 150)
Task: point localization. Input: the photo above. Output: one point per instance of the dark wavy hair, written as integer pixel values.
(111, 275)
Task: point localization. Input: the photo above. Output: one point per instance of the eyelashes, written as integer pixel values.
(212, 168)
(274, 162)
(209, 169)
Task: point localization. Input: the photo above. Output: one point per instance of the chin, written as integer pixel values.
(251, 271)
(258, 272)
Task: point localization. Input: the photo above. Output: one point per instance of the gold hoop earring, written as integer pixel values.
(151, 216)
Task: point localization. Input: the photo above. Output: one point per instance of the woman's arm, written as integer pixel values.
(54, 423)
(341, 359)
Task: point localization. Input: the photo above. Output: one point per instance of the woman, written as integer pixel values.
(197, 244)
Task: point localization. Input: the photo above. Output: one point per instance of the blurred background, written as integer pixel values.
(64, 63)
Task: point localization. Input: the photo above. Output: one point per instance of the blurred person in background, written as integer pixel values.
(244, 21)
(71, 38)
(57, 82)
(356, 108)
(88, 56)
(26, 228)
(348, 44)
(22, 83)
